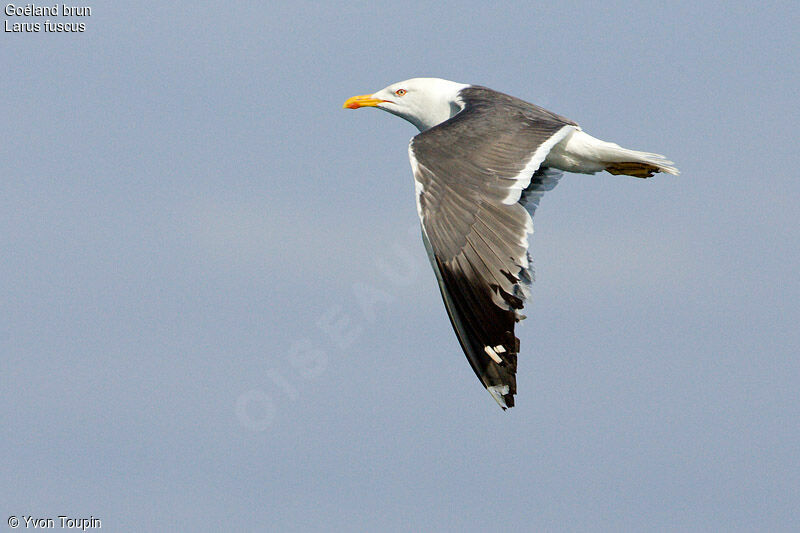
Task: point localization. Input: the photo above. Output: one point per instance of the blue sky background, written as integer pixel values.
(216, 312)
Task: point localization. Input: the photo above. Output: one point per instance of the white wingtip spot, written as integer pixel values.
(497, 392)
(491, 353)
(500, 348)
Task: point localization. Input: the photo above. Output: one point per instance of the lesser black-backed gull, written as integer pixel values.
(481, 164)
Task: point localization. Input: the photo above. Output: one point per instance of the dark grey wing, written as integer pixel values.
(478, 183)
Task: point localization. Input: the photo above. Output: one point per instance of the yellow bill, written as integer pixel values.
(364, 100)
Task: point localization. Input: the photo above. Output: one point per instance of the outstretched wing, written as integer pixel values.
(478, 181)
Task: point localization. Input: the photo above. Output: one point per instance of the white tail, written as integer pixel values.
(580, 152)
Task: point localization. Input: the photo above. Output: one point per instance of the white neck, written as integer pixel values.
(443, 103)
(435, 115)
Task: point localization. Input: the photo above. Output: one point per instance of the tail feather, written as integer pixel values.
(580, 152)
(638, 164)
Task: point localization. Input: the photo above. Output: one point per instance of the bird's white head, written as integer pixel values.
(425, 102)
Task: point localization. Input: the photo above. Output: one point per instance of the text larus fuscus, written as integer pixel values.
(481, 163)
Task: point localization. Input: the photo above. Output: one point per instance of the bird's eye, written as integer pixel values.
(400, 92)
